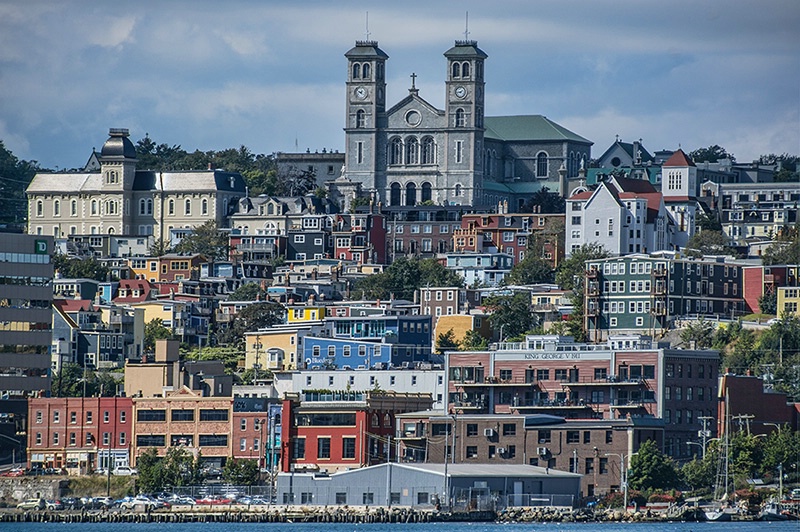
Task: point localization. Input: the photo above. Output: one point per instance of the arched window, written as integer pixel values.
(456, 70)
(411, 194)
(464, 70)
(394, 195)
(149, 206)
(111, 207)
(94, 207)
(171, 207)
(426, 192)
(461, 118)
(73, 208)
(428, 151)
(458, 190)
(110, 230)
(387, 420)
(56, 208)
(356, 71)
(376, 421)
(365, 71)
(361, 119)
(379, 71)
(142, 206)
(73, 230)
(187, 207)
(412, 150)
(396, 151)
(204, 207)
(39, 208)
(541, 165)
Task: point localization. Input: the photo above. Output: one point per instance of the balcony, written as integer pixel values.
(660, 289)
(593, 311)
(592, 273)
(593, 289)
(552, 405)
(769, 279)
(659, 311)
(608, 381)
(496, 381)
(659, 272)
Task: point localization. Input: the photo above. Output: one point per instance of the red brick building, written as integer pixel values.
(184, 418)
(592, 448)
(760, 280)
(78, 434)
(333, 430)
(512, 234)
(360, 238)
(627, 376)
(752, 407)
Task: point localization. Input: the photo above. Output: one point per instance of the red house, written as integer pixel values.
(79, 434)
(360, 238)
(333, 430)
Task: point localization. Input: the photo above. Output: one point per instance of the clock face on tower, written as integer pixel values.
(361, 93)
(460, 92)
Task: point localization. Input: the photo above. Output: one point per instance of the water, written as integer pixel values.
(785, 526)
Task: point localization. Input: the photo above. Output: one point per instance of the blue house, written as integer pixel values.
(370, 341)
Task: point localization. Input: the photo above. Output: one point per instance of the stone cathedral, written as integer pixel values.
(412, 152)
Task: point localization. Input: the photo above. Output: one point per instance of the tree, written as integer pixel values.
(511, 315)
(709, 243)
(251, 318)
(698, 334)
(242, 472)
(446, 341)
(570, 275)
(207, 240)
(650, 469)
(152, 476)
(229, 356)
(712, 154)
(155, 330)
(699, 473)
(545, 201)
(405, 276)
(768, 303)
(75, 381)
(160, 247)
(295, 182)
(15, 176)
(708, 221)
(785, 250)
(530, 270)
(248, 292)
(80, 268)
(473, 341)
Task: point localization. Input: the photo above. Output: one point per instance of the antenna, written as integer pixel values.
(366, 26)
(466, 27)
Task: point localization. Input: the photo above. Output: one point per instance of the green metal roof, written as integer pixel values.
(528, 127)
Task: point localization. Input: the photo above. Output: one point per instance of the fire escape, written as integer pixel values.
(592, 303)
(658, 300)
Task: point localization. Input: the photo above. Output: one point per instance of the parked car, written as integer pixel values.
(54, 504)
(32, 504)
(124, 471)
(71, 503)
(15, 472)
(139, 501)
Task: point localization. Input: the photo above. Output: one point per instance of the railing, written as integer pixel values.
(536, 500)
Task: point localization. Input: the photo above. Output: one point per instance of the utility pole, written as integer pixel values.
(705, 433)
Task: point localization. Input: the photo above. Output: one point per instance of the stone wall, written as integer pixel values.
(15, 489)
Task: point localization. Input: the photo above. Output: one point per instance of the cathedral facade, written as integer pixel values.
(413, 153)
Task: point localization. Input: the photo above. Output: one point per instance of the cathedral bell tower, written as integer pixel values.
(464, 111)
(366, 106)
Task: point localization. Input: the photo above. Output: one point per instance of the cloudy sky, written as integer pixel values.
(270, 75)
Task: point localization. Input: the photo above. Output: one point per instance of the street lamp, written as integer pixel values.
(703, 447)
(623, 476)
(774, 425)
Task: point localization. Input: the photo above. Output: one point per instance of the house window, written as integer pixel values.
(361, 119)
(323, 447)
(541, 165)
(348, 447)
(461, 118)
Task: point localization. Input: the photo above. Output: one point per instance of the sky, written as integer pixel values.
(270, 74)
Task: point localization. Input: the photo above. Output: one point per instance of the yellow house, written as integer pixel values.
(461, 323)
(171, 313)
(301, 313)
(278, 348)
(144, 268)
(788, 300)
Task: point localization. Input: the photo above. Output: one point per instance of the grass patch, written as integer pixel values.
(95, 486)
(758, 317)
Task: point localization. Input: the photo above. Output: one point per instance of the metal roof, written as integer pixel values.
(528, 127)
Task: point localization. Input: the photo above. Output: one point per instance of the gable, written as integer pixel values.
(415, 114)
